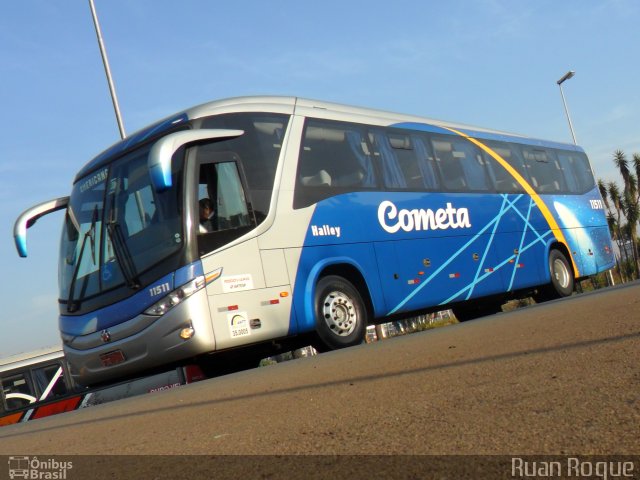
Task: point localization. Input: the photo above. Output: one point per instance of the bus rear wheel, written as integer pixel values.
(341, 315)
(562, 281)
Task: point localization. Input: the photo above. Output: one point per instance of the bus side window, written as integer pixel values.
(473, 166)
(463, 166)
(576, 171)
(407, 162)
(259, 147)
(503, 181)
(544, 170)
(221, 184)
(50, 380)
(231, 215)
(17, 391)
(448, 160)
(334, 158)
(426, 162)
(312, 164)
(393, 150)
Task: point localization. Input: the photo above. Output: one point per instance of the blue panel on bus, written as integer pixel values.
(584, 223)
(127, 309)
(418, 250)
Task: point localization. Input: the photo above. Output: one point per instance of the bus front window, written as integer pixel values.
(117, 227)
(142, 225)
(79, 246)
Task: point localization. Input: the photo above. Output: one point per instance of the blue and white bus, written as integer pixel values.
(324, 218)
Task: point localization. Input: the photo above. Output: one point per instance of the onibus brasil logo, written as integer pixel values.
(34, 468)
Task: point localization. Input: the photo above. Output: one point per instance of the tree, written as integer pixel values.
(628, 201)
(603, 192)
(614, 195)
(636, 164)
(612, 222)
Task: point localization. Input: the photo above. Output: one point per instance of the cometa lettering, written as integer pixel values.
(392, 220)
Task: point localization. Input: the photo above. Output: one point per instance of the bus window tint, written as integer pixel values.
(576, 170)
(137, 216)
(461, 164)
(503, 180)
(334, 158)
(426, 161)
(397, 160)
(139, 209)
(404, 160)
(83, 220)
(230, 203)
(510, 153)
(17, 391)
(220, 183)
(259, 148)
(544, 170)
(50, 380)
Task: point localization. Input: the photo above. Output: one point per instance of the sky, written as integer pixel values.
(490, 63)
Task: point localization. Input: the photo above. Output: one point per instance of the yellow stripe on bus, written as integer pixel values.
(555, 228)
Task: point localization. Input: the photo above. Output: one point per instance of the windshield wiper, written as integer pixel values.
(118, 242)
(123, 255)
(89, 234)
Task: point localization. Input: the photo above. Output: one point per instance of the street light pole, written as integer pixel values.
(567, 76)
(107, 70)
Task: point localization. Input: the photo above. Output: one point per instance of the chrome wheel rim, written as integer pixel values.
(561, 273)
(339, 313)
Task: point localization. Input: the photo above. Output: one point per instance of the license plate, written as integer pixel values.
(112, 358)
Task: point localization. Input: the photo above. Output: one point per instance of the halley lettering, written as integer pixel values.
(325, 230)
(392, 220)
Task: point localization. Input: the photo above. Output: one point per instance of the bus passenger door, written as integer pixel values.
(244, 307)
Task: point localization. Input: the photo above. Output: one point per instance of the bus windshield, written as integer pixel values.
(112, 229)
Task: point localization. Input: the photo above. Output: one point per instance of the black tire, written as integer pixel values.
(562, 281)
(341, 315)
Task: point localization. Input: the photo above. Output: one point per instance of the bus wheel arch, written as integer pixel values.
(342, 307)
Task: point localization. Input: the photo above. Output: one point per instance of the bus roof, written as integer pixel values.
(305, 107)
(30, 358)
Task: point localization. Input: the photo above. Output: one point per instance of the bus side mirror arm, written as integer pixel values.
(163, 150)
(29, 217)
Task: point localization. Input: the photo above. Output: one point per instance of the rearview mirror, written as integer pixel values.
(163, 150)
(29, 217)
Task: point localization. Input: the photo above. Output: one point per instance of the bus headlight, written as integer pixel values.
(176, 297)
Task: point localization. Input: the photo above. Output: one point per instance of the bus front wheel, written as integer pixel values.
(341, 315)
(562, 280)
